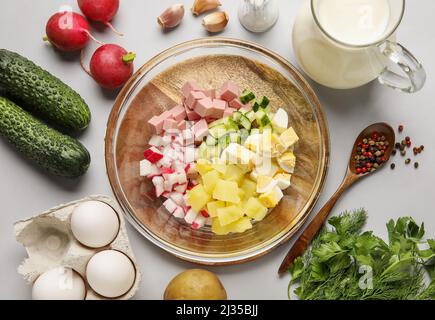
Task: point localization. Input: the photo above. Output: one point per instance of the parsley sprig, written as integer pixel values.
(344, 263)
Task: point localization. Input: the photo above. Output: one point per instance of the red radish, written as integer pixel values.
(111, 66)
(152, 155)
(68, 31)
(100, 10)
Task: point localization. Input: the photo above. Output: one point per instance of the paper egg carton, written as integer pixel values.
(49, 243)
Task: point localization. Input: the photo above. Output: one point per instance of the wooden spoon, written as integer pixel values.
(350, 178)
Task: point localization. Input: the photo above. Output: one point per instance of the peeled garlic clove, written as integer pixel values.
(215, 22)
(201, 6)
(172, 16)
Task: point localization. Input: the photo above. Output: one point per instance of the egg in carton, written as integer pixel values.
(50, 243)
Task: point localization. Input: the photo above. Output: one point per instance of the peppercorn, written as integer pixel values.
(393, 165)
(401, 128)
(403, 152)
(407, 139)
(402, 147)
(416, 165)
(397, 145)
(408, 161)
(403, 142)
(394, 152)
(422, 147)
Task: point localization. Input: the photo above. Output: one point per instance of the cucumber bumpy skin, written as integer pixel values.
(42, 93)
(59, 154)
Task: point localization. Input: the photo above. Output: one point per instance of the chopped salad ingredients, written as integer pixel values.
(216, 161)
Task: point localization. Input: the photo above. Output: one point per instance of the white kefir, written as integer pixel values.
(350, 22)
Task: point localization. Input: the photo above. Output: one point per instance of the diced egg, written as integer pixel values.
(284, 180)
(265, 184)
(287, 162)
(280, 120)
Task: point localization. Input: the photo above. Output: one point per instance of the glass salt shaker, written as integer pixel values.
(258, 15)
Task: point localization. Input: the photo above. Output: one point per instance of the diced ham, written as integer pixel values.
(193, 98)
(210, 93)
(170, 124)
(237, 104)
(178, 113)
(192, 115)
(178, 213)
(200, 130)
(204, 107)
(170, 205)
(190, 216)
(218, 108)
(228, 112)
(153, 155)
(182, 125)
(156, 124)
(189, 87)
(158, 183)
(230, 91)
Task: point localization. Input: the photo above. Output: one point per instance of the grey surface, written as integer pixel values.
(25, 190)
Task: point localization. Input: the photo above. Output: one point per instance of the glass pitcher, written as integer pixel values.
(345, 44)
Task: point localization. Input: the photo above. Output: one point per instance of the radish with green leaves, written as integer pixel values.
(100, 10)
(111, 66)
(68, 31)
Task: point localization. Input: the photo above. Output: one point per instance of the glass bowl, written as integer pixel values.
(155, 87)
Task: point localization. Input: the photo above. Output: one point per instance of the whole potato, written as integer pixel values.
(195, 284)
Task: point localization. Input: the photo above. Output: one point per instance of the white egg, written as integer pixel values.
(94, 224)
(110, 273)
(59, 284)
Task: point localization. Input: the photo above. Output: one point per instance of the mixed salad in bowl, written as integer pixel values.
(221, 159)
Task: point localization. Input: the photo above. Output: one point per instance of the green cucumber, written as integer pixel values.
(236, 116)
(218, 130)
(41, 93)
(211, 141)
(264, 102)
(247, 96)
(235, 137)
(216, 123)
(250, 115)
(231, 125)
(244, 134)
(57, 153)
(244, 121)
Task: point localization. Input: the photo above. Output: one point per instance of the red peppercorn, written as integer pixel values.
(365, 154)
(375, 135)
(368, 165)
(369, 154)
(358, 170)
(407, 138)
(364, 170)
(408, 143)
(401, 128)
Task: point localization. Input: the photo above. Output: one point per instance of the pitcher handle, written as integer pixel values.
(415, 74)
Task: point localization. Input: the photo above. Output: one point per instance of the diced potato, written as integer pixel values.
(227, 191)
(234, 173)
(289, 137)
(271, 198)
(209, 180)
(229, 214)
(238, 226)
(197, 198)
(255, 209)
(220, 167)
(203, 166)
(241, 194)
(213, 206)
(249, 187)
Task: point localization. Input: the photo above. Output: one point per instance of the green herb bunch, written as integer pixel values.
(346, 264)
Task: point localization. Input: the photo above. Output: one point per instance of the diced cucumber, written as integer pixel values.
(224, 141)
(244, 134)
(231, 125)
(247, 96)
(255, 131)
(235, 137)
(259, 115)
(218, 131)
(265, 121)
(266, 127)
(203, 151)
(256, 106)
(250, 115)
(211, 141)
(243, 111)
(236, 116)
(244, 121)
(264, 102)
(216, 123)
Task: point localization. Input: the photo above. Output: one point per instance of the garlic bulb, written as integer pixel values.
(172, 16)
(215, 22)
(201, 6)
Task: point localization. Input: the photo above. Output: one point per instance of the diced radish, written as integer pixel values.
(204, 213)
(158, 183)
(170, 205)
(167, 186)
(199, 222)
(166, 139)
(165, 170)
(189, 154)
(153, 155)
(188, 137)
(190, 216)
(172, 179)
(181, 188)
(164, 162)
(181, 178)
(178, 213)
(166, 194)
(178, 166)
(145, 168)
(186, 209)
(155, 172)
(177, 198)
(156, 141)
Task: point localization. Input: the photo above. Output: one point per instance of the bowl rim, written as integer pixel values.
(262, 248)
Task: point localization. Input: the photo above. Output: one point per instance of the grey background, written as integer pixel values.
(25, 190)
